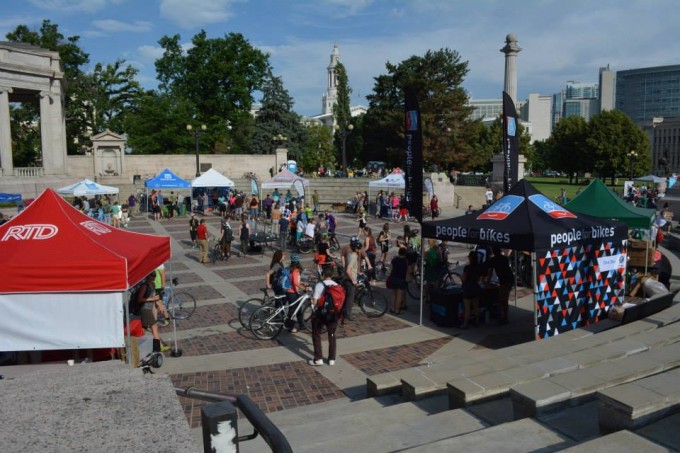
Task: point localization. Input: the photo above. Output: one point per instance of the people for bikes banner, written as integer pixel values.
(413, 135)
(510, 143)
(575, 286)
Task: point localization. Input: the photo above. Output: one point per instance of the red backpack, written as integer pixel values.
(331, 303)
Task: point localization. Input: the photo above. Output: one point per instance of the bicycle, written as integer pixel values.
(217, 254)
(305, 244)
(373, 305)
(249, 307)
(333, 242)
(180, 305)
(267, 321)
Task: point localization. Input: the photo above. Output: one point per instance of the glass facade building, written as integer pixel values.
(646, 93)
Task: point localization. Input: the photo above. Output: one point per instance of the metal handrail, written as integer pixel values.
(262, 425)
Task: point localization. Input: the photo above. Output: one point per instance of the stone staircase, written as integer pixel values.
(434, 423)
(387, 424)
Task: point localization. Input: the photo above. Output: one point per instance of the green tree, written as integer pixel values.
(157, 125)
(488, 141)
(112, 91)
(567, 147)
(218, 77)
(73, 59)
(276, 117)
(611, 136)
(341, 111)
(317, 148)
(448, 133)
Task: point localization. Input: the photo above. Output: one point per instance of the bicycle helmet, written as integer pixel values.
(295, 259)
(354, 242)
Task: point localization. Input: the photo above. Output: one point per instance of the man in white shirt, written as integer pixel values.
(318, 322)
(489, 197)
(310, 228)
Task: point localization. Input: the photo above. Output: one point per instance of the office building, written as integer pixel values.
(645, 93)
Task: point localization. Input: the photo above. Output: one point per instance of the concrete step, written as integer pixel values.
(311, 425)
(400, 434)
(520, 436)
(619, 442)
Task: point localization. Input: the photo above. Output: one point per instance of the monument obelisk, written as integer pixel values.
(511, 49)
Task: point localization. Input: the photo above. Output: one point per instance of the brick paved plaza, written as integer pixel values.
(220, 356)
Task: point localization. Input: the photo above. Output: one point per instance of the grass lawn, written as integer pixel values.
(551, 187)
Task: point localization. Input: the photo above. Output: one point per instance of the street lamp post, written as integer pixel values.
(197, 137)
(632, 156)
(343, 135)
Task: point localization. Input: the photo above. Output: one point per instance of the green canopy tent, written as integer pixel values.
(597, 200)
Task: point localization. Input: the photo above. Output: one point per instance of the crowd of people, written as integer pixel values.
(104, 209)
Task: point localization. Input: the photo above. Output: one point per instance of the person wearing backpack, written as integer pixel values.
(328, 299)
(146, 299)
(273, 274)
(226, 237)
(294, 290)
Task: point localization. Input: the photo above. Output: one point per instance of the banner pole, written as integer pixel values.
(533, 284)
(422, 275)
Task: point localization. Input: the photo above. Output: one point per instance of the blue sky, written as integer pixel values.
(561, 40)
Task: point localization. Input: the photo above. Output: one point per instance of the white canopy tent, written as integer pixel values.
(87, 188)
(285, 179)
(394, 180)
(651, 178)
(212, 178)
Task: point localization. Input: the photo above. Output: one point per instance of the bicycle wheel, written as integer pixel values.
(247, 309)
(266, 322)
(334, 244)
(183, 305)
(307, 312)
(305, 245)
(372, 304)
(413, 287)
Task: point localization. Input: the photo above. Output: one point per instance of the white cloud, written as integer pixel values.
(113, 26)
(196, 13)
(149, 53)
(87, 6)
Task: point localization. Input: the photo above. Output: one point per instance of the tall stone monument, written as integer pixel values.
(32, 74)
(511, 49)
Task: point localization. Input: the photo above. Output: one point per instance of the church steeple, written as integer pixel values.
(331, 97)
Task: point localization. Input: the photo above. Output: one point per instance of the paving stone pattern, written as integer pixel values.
(272, 388)
(214, 327)
(395, 358)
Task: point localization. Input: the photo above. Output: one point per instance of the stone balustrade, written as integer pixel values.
(29, 172)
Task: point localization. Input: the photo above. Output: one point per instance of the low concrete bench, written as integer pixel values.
(621, 441)
(566, 356)
(652, 306)
(549, 395)
(639, 403)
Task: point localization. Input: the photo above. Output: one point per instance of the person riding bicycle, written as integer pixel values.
(294, 292)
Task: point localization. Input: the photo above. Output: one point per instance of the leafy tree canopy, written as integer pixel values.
(448, 133)
(276, 117)
(218, 76)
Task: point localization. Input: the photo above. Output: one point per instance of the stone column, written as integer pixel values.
(53, 134)
(6, 162)
(511, 49)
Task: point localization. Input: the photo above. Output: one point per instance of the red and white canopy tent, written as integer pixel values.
(64, 277)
